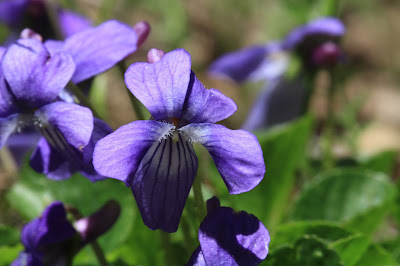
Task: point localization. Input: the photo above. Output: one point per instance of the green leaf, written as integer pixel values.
(33, 192)
(351, 249)
(308, 250)
(382, 162)
(347, 195)
(376, 255)
(8, 236)
(9, 253)
(291, 232)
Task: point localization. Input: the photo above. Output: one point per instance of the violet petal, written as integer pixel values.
(236, 153)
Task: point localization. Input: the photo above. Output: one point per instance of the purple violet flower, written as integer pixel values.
(52, 240)
(21, 14)
(230, 238)
(315, 43)
(30, 81)
(156, 157)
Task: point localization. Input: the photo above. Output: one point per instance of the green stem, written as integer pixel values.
(136, 104)
(328, 133)
(81, 97)
(166, 243)
(53, 15)
(94, 244)
(309, 89)
(186, 233)
(198, 199)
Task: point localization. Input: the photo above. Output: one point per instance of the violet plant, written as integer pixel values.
(48, 74)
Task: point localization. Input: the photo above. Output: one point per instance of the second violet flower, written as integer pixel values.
(156, 157)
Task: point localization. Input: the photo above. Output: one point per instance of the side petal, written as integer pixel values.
(234, 238)
(74, 122)
(7, 126)
(162, 183)
(71, 22)
(96, 50)
(49, 161)
(35, 78)
(100, 130)
(120, 153)
(236, 153)
(329, 26)
(161, 86)
(206, 106)
(239, 65)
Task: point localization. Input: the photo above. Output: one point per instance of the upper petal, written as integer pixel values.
(239, 65)
(162, 183)
(329, 26)
(206, 106)
(236, 153)
(34, 77)
(233, 238)
(161, 86)
(97, 49)
(74, 122)
(120, 153)
(50, 228)
(71, 22)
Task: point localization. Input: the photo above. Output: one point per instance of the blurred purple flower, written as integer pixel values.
(20, 14)
(315, 43)
(52, 240)
(156, 157)
(97, 49)
(30, 81)
(230, 238)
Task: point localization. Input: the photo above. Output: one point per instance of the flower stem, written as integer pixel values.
(94, 244)
(328, 133)
(184, 225)
(136, 104)
(198, 199)
(81, 97)
(52, 13)
(166, 243)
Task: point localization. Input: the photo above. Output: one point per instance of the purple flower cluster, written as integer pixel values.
(33, 80)
(156, 158)
(315, 43)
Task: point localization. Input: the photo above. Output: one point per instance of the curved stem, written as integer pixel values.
(81, 97)
(136, 104)
(198, 199)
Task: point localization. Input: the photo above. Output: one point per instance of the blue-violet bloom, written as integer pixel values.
(230, 238)
(53, 240)
(156, 157)
(316, 43)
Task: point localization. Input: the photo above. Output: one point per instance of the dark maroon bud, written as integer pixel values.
(142, 30)
(99, 222)
(327, 55)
